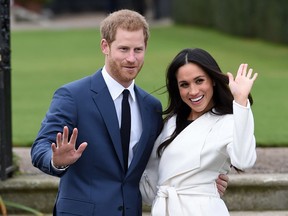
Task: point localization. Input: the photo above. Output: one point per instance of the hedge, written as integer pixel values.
(264, 19)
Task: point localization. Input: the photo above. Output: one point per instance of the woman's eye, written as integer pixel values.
(199, 81)
(184, 85)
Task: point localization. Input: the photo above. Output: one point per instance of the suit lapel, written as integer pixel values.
(145, 117)
(106, 107)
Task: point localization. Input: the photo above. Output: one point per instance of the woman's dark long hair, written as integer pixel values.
(222, 96)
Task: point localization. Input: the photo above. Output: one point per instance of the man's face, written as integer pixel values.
(124, 57)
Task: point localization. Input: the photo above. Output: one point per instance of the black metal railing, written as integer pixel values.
(6, 163)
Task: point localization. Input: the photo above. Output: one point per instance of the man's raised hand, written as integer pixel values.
(64, 152)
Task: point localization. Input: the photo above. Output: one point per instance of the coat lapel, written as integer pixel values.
(183, 154)
(106, 107)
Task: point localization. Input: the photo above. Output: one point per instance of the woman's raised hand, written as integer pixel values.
(242, 84)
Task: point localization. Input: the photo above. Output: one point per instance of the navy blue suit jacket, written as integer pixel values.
(96, 184)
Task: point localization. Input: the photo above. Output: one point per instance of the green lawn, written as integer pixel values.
(44, 60)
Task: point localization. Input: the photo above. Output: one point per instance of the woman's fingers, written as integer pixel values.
(249, 73)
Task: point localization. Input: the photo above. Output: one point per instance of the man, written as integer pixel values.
(86, 115)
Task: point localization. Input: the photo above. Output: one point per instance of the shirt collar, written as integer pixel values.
(116, 88)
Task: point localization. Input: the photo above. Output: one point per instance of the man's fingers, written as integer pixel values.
(65, 135)
(74, 136)
(53, 147)
(82, 147)
(59, 139)
(222, 184)
(224, 178)
(221, 190)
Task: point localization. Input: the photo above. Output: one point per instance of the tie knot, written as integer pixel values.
(125, 93)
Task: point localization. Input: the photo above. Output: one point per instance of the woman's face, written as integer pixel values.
(195, 88)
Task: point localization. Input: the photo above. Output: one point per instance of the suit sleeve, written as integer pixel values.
(62, 111)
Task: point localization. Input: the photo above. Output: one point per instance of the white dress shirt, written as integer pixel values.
(116, 90)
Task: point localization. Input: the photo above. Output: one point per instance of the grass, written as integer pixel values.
(44, 60)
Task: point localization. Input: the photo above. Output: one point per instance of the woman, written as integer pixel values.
(209, 128)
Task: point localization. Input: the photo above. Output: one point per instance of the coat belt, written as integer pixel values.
(167, 199)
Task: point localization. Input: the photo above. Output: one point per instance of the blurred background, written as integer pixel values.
(265, 19)
(54, 42)
(234, 31)
(25, 10)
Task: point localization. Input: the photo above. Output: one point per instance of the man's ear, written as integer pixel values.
(104, 46)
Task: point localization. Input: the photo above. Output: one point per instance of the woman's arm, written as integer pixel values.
(242, 150)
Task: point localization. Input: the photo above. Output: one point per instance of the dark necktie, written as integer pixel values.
(125, 127)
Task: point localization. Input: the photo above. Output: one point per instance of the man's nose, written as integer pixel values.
(131, 57)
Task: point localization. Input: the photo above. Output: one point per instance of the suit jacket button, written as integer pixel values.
(120, 208)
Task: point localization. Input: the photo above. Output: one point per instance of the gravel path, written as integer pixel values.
(269, 160)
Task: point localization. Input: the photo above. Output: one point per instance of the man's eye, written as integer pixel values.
(138, 50)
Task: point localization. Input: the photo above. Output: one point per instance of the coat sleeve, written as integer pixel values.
(149, 179)
(242, 150)
(62, 111)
